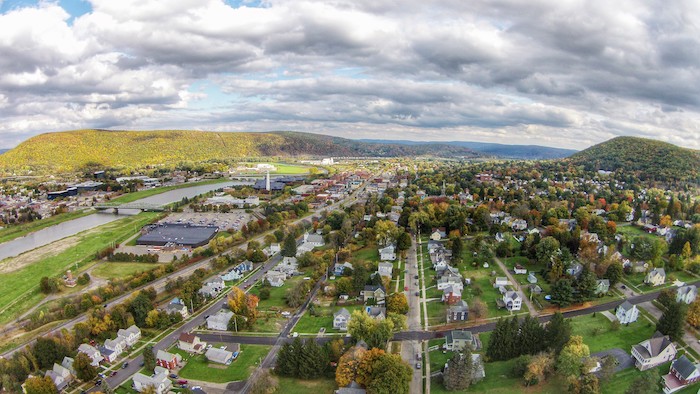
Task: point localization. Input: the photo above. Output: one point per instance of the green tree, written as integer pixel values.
(149, 358)
(404, 241)
(40, 385)
(139, 308)
(589, 384)
(671, 321)
(289, 247)
(586, 285)
(614, 273)
(531, 336)
(546, 250)
(562, 293)
(457, 247)
(83, 367)
(459, 372)
(571, 357)
(647, 383)
(608, 365)
(285, 365)
(390, 374)
(48, 351)
(557, 332)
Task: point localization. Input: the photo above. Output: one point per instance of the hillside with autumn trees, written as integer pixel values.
(77, 150)
(647, 159)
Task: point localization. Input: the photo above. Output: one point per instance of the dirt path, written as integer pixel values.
(516, 284)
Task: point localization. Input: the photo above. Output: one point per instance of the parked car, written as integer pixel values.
(415, 277)
(126, 364)
(173, 376)
(295, 334)
(182, 381)
(418, 365)
(98, 382)
(417, 293)
(114, 373)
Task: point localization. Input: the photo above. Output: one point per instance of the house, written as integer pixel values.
(450, 280)
(276, 278)
(385, 269)
(656, 277)
(531, 278)
(458, 339)
(458, 312)
(168, 360)
(575, 270)
(275, 248)
(682, 373)
(231, 275)
(60, 376)
(387, 253)
(219, 321)
(627, 313)
(451, 295)
(222, 356)
(501, 281)
(376, 312)
(131, 335)
(108, 355)
(341, 269)
(341, 319)
(212, 287)
(68, 364)
(686, 294)
(176, 306)
(190, 343)
(511, 301)
(376, 292)
(289, 266)
(116, 346)
(438, 234)
(602, 286)
(314, 240)
(91, 352)
(158, 381)
(652, 352)
(518, 225)
(520, 270)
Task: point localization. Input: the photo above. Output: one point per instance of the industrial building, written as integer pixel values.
(177, 234)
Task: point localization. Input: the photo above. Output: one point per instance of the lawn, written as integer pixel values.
(312, 324)
(277, 294)
(291, 169)
(437, 312)
(634, 231)
(605, 337)
(198, 368)
(12, 232)
(115, 270)
(637, 280)
(368, 253)
(19, 285)
(298, 386)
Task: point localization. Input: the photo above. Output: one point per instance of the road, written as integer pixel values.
(410, 349)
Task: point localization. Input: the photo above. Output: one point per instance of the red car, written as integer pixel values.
(181, 381)
(114, 373)
(406, 288)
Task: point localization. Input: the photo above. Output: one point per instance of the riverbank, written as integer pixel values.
(21, 230)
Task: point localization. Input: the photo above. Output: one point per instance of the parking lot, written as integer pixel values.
(224, 221)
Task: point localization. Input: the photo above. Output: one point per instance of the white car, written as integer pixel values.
(295, 334)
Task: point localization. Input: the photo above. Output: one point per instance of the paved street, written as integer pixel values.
(410, 349)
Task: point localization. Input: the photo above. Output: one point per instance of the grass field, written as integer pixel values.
(634, 231)
(312, 324)
(115, 270)
(368, 253)
(298, 386)
(598, 334)
(198, 368)
(130, 197)
(277, 294)
(291, 169)
(12, 232)
(19, 289)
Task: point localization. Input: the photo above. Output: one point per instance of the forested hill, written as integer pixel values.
(76, 150)
(645, 158)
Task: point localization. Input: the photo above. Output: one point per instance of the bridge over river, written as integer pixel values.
(142, 206)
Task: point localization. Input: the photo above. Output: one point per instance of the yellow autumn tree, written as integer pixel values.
(364, 370)
(348, 364)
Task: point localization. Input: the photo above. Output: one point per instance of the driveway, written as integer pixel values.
(623, 358)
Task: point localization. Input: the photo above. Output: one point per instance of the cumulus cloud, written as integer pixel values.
(567, 74)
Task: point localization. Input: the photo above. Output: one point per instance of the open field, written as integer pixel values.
(198, 368)
(299, 386)
(312, 324)
(598, 334)
(117, 270)
(22, 285)
(12, 232)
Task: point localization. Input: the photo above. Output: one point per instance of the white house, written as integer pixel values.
(60, 376)
(219, 321)
(656, 277)
(520, 270)
(387, 253)
(131, 335)
(91, 352)
(627, 313)
(231, 276)
(652, 352)
(341, 319)
(275, 248)
(501, 281)
(159, 382)
(190, 343)
(686, 294)
(314, 240)
(385, 269)
(221, 356)
(176, 306)
(512, 300)
(275, 278)
(450, 280)
(288, 265)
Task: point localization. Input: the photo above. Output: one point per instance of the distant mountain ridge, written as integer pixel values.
(527, 152)
(71, 151)
(646, 158)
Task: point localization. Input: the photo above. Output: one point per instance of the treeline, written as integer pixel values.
(132, 257)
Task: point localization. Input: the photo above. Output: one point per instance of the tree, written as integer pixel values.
(139, 308)
(457, 247)
(614, 273)
(459, 371)
(346, 371)
(289, 247)
(365, 368)
(531, 336)
(547, 249)
(397, 303)
(48, 351)
(693, 314)
(562, 293)
(286, 364)
(608, 365)
(40, 385)
(588, 384)
(48, 285)
(557, 332)
(265, 383)
(390, 374)
(671, 321)
(586, 285)
(648, 383)
(478, 308)
(149, 358)
(83, 367)
(404, 241)
(571, 357)
(313, 360)
(265, 293)
(386, 232)
(538, 369)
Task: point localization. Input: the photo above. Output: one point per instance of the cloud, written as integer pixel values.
(568, 73)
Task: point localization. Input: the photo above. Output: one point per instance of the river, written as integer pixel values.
(66, 229)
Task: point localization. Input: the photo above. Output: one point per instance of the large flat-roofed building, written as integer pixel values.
(177, 234)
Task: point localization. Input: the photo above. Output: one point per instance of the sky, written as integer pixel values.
(561, 73)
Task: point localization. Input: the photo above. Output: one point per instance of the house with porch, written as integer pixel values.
(190, 343)
(168, 360)
(91, 352)
(387, 253)
(452, 295)
(131, 335)
(60, 376)
(602, 286)
(158, 381)
(652, 352)
(376, 292)
(510, 300)
(458, 312)
(219, 321)
(385, 269)
(459, 339)
(656, 277)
